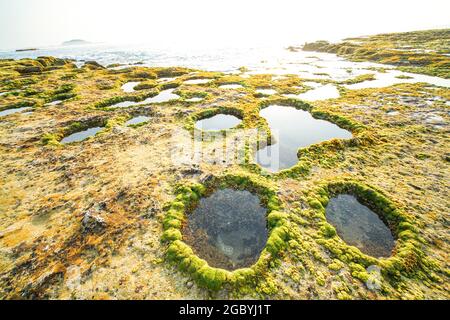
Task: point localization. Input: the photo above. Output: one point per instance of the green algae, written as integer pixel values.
(305, 251)
(187, 197)
(428, 57)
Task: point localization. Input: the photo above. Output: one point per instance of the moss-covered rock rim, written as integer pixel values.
(407, 256)
(181, 255)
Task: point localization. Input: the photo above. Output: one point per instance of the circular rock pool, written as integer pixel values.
(359, 226)
(228, 229)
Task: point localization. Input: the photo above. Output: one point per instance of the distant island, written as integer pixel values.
(27, 49)
(75, 42)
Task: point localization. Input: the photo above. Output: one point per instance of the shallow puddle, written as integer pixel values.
(163, 96)
(313, 84)
(82, 135)
(53, 103)
(231, 86)
(218, 122)
(293, 129)
(194, 99)
(228, 229)
(14, 110)
(359, 226)
(129, 86)
(124, 104)
(328, 91)
(197, 81)
(137, 120)
(267, 92)
(391, 77)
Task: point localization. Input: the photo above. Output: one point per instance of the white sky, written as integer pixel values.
(25, 23)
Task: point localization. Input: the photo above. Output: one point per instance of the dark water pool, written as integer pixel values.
(359, 226)
(296, 129)
(228, 229)
(218, 122)
(14, 110)
(163, 96)
(137, 120)
(82, 135)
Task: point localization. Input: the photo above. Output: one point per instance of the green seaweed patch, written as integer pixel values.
(108, 103)
(17, 84)
(229, 80)
(408, 258)
(20, 104)
(170, 85)
(171, 72)
(390, 49)
(28, 67)
(114, 122)
(188, 93)
(359, 79)
(181, 255)
(64, 92)
(145, 85)
(403, 76)
(142, 74)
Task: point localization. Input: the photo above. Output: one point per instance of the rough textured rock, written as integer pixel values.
(93, 65)
(92, 222)
(30, 69)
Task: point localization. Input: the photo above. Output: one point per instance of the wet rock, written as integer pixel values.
(183, 113)
(434, 119)
(392, 113)
(101, 205)
(92, 223)
(152, 210)
(93, 65)
(144, 75)
(206, 179)
(430, 118)
(414, 101)
(105, 84)
(30, 69)
(45, 286)
(414, 186)
(120, 130)
(193, 170)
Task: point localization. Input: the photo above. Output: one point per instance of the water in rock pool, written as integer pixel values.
(163, 96)
(197, 81)
(129, 86)
(266, 91)
(82, 135)
(14, 110)
(328, 91)
(359, 226)
(228, 229)
(194, 99)
(259, 60)
(54, 103)
(218, 122)
(137, 120)
(296, 129)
